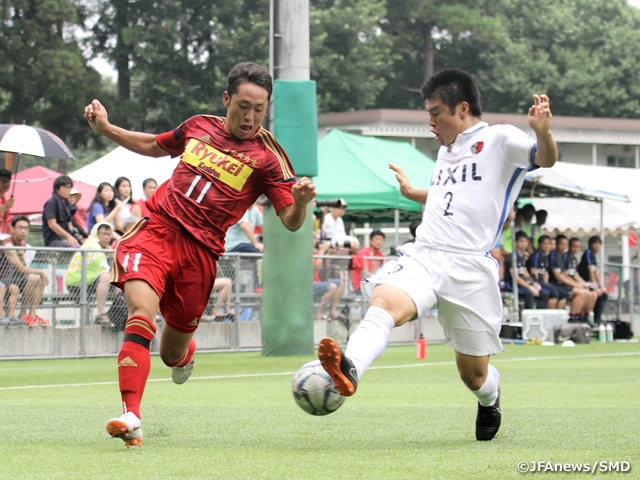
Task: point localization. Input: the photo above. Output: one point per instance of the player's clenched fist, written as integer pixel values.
(303, 190)
(96, 115)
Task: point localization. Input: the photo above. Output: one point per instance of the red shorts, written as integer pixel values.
(179, 269)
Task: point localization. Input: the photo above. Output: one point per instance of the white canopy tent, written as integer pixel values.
(125, 163)
(614, 189)
(607, 189)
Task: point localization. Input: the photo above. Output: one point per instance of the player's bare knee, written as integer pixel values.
(170, 356)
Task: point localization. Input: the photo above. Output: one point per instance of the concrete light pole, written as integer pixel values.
(287, 272)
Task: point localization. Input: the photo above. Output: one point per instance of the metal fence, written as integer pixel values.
(69, 325)
(69, 322)
(622, 285)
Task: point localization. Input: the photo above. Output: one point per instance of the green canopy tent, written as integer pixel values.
(355, 168)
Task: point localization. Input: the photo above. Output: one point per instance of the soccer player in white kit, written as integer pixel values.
(476, 179)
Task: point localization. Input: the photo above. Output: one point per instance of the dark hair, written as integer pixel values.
(593, 240)
(376, 232)
(413, 226)
(98, 199)
(453, 87)
(103, 225)
(540, 213)
(573, 240)
(542, 238)
(528, 208)
(561, 237)
(19, 218)
(61, 181)
(252, 73)
(520, 234)
(116, 186)
(147, 180)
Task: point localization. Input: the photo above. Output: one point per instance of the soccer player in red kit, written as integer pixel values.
(168, 261)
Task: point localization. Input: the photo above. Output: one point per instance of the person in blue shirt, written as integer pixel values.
(104, 207)
(528, 287)
(588, 270)
(539, 266)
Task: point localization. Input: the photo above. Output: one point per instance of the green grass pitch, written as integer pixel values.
(236, 418)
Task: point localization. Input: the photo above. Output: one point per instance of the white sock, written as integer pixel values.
(370, 338)
(488, 392)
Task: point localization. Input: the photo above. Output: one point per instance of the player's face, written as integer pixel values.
(444, 125)
(245, 109)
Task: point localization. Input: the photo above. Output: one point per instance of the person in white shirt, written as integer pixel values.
(241, 238)
(333, 229)
(477, 176)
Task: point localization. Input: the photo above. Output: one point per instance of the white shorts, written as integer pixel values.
(463, 287)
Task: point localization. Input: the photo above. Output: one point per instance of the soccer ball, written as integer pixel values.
(314, 391)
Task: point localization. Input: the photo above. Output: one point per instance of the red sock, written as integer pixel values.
(187, 356)
(134, 362)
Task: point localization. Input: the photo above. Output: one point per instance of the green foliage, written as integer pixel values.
(173, 56)
(44, 77)
(350, 56)
(580, 52)
(236, 418)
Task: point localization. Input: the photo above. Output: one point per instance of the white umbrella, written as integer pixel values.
(26, 140)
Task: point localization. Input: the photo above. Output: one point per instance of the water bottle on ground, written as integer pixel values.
(609, 333)
(421, 345)
(602, 333)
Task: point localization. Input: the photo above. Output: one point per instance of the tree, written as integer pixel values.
(582, 53)
(44, 77)
(350, 55)
(419, 29)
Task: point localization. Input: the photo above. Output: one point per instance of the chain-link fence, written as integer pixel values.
(622, 285)
(66, 310)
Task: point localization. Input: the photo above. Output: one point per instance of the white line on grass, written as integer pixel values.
(380, 367)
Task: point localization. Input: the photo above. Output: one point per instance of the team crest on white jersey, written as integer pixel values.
(477, 147)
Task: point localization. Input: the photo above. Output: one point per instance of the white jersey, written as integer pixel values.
(473, 186)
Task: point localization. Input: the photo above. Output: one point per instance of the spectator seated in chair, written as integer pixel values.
(588, 270)
(57, 216)
(328, 286)
(98, 270)
(363, 264)
(15, 272)
(561, 275)
(527, 286)
(538, 265)
(334, 231)
(221, 309)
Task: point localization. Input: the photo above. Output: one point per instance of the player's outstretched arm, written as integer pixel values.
(293, 216)
(407, 191)
(540, 121)
(142, 143)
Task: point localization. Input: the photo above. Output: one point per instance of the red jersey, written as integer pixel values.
(219, 177)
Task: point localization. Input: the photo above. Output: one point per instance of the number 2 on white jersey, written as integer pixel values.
(448, 212)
